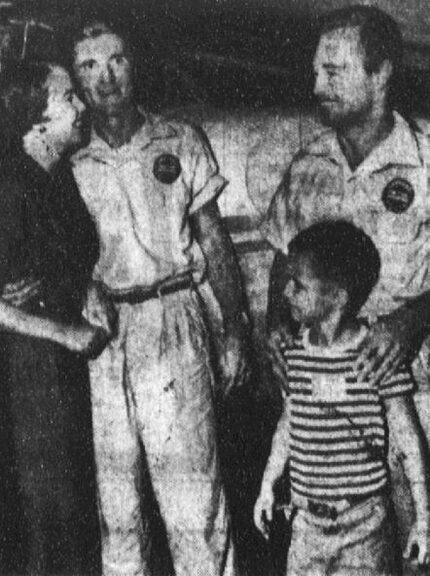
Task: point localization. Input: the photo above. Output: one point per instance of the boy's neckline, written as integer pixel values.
(351, 343)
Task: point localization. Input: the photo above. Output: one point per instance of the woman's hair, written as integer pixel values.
(23, 99)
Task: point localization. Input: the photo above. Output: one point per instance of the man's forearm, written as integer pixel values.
(278, 312)
(222, 266)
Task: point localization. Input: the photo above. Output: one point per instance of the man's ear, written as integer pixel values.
(383, 75)
(342, 297)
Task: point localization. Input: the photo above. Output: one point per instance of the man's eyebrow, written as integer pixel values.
(331, 66)
(116, 54)
(85, 62)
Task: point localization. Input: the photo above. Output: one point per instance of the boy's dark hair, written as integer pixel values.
(380, 35)
(342, 254)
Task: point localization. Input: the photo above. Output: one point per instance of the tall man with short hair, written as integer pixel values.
(370, 167)
(151, 187)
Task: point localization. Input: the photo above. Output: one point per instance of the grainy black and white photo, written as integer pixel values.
(215, 287)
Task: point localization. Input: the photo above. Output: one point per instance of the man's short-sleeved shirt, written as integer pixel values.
(387, 196)
(141, 196)
(337, 427)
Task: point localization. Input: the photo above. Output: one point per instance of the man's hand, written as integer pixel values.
(263, 511)
(99, 311)
(233, 360)
(417, 547)
(85, 339)
(391, 340)
(19, 293)
(279, 340)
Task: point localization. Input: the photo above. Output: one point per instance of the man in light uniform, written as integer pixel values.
(371, 167)
(151, 187)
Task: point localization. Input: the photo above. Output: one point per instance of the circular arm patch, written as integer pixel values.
(167, 168)
(398, 195)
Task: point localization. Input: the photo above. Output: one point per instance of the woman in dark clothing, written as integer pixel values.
(47, 249)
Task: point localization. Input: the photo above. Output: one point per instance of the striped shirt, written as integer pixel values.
(338, 436)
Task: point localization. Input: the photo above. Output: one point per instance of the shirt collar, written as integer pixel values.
(399, 148)
(154, 128)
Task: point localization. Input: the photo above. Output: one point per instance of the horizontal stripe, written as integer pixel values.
(340, 494)
(340, 468)
(337, 424)
(349, 403)
(358, 412)
(325, 459)
(339, 481)
(336, 437)
(305, 357)
(317, 369)
(348, 449)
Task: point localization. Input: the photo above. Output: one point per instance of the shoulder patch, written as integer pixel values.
(398, 195)
(167, 168)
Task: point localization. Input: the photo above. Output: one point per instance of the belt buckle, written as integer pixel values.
(322, 510)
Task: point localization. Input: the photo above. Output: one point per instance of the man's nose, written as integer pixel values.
(320, 84)
(289, 289)
(107, 74)
(79, 105)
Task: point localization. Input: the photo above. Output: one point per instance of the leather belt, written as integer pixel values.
(331, 511)
(142, 294)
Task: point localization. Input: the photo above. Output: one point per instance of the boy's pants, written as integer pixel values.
(360, 542)
(153, 406)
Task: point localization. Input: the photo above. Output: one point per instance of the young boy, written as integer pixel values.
(333, 429)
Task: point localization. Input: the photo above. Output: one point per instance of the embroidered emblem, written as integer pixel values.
(167, 168)
(398, 195)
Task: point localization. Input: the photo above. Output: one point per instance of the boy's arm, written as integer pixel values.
(403, 424)
(279, 456)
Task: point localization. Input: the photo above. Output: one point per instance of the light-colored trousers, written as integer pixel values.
(361, 542)
(152, 401)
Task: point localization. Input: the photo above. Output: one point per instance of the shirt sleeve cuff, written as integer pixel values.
(212, 189)
(276, 239)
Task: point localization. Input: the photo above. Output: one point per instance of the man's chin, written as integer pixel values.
(329, 117)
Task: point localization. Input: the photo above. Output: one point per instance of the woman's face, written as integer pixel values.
(62, 117)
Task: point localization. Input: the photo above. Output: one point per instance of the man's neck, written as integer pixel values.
(358, 141)
(117, 130)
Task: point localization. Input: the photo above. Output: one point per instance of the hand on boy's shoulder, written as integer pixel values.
(390, 341)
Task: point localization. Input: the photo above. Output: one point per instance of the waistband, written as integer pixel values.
(330, 510)
(140, 294)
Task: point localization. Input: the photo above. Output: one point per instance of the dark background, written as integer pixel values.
(229, 55)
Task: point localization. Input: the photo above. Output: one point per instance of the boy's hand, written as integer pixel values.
(263, 511)
(417, 548)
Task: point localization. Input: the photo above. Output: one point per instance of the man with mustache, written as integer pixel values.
(370, 166)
